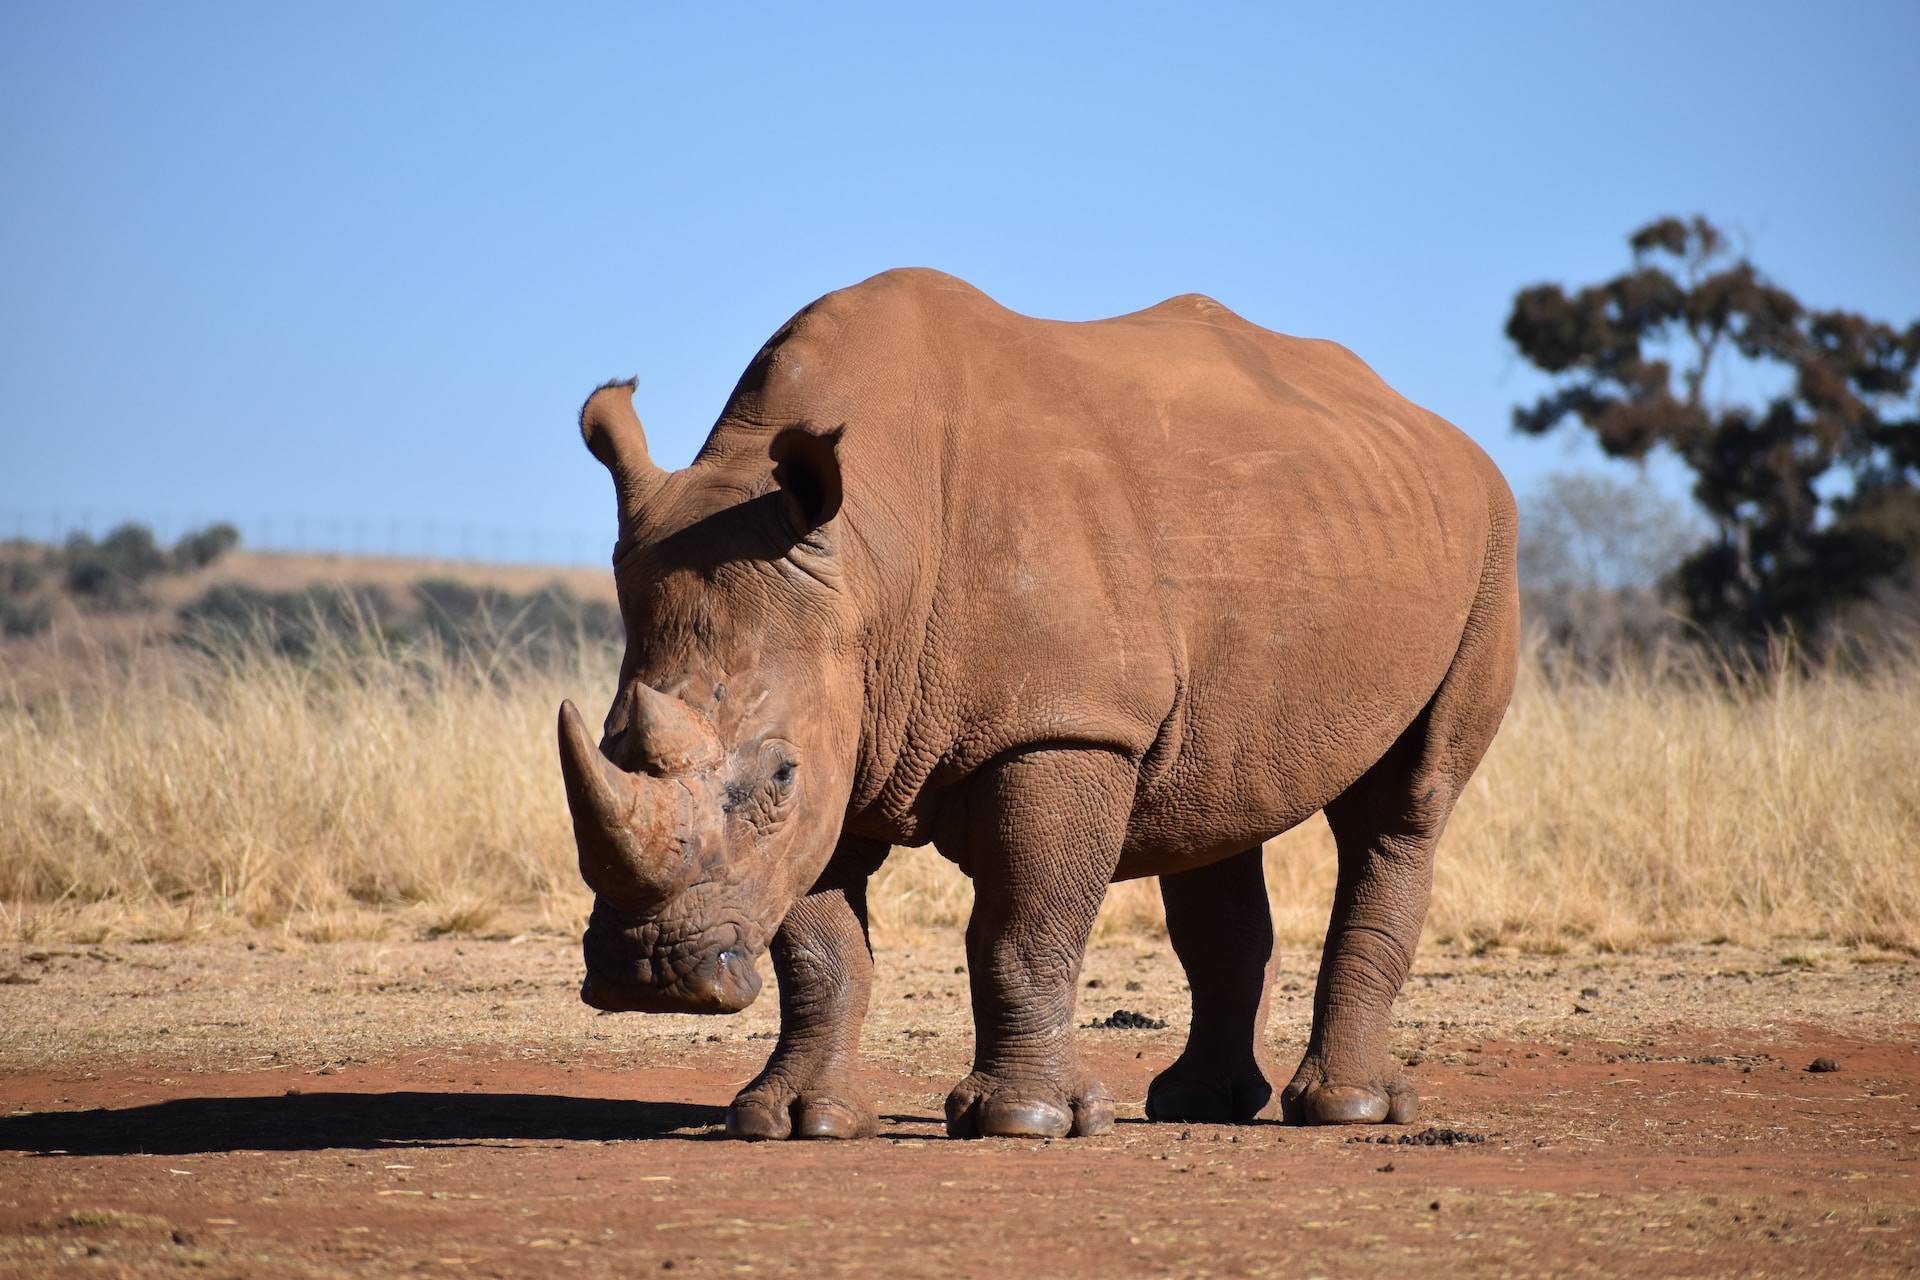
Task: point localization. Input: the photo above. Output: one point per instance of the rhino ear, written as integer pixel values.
(612, 431)
(806, 466)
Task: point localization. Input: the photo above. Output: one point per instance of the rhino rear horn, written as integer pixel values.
(667, 735)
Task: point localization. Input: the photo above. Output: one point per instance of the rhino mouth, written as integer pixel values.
(636, 968)
(723, 981)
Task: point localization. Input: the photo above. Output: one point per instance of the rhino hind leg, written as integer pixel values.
(1222, 931)
(1386, 827)
(1042, 836)
(824, 965)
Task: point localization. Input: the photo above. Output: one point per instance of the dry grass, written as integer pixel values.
(169, 794)
(374, 792)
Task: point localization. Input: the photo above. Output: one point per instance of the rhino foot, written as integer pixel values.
(987, 1106)
(772, 1110)
(1313, 1098)
(1197, 1094)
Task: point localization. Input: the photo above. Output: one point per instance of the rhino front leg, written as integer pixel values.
(1042, 841)
(824, 965)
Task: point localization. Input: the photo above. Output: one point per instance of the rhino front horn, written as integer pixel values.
(629, 828)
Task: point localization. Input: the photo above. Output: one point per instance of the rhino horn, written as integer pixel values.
(631, 829)
(667, 735)
(613, 434)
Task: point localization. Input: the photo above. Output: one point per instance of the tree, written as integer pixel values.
(1583, 531)
(1813, 490)
(1595, 552)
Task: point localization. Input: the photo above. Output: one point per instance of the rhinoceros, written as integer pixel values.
(1074, 603)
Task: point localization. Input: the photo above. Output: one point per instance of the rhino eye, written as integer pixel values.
(783, 776)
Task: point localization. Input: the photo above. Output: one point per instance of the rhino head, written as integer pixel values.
(714, 795)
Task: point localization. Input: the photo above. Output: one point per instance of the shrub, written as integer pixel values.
(234, 617)
(486, 622)
(111, 573)
(20, 576)
(201, 547)
(24, 617)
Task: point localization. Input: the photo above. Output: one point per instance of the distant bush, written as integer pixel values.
(232, 616)
(24, 616)
(111, 574)
(201, 547)
(20, 576)
(25, 608)
(483, 621)
(465, 622)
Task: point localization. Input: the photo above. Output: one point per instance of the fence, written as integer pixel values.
(332, 535)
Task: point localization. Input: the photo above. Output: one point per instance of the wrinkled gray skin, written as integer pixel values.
(1074, 603)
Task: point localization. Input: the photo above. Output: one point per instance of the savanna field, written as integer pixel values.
(289, 950)
(368, 790)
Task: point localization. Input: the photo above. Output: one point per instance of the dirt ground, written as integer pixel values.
(448, 1107)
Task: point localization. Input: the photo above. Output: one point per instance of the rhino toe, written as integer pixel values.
(825, 1116)
(980, 1107)
(764, 1116)
(1353, 1104)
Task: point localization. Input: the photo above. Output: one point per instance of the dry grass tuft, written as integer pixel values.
(368, 793)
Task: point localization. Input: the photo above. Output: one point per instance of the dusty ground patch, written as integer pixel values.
(448, 1107)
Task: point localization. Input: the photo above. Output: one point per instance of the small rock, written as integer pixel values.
(1385, 1168)
(18, 980)
(1135, 986)
(1823, 1064)
(1591, 993)
(1127, 1020)
(1093, 984)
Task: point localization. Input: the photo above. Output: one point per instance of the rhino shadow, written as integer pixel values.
(367, 1121)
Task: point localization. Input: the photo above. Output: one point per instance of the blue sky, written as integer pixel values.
(351, 268)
